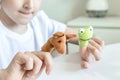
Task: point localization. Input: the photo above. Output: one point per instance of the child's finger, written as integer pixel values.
(37, 64)
(99, 47)
(48, 63)
(83, 54)
(93, 50)
(47, 60)
(23, 59)
(19, 65)
(84, 64)
(98, 40)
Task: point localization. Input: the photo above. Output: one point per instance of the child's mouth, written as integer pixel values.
(26, 13)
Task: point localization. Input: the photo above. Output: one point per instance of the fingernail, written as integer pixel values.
(28, 75)
(48, 73)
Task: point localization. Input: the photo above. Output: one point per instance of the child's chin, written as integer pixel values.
(24, 21)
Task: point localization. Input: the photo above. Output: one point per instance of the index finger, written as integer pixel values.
(47, 60)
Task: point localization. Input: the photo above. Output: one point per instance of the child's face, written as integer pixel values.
(20, 11)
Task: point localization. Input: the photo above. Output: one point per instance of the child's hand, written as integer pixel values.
(28, 66)
(94, 47)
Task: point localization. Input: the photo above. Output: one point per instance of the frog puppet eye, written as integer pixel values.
(91, 28)
(81, 31)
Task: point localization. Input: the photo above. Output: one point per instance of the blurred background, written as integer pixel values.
(65, 10)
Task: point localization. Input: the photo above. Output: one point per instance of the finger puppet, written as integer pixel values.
(57, 42)
(84, 34)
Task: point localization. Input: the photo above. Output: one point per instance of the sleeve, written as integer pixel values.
(46, 27)
(56, 26)
(50, 24)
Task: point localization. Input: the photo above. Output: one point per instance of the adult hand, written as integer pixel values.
(94, 47)
(28, 66)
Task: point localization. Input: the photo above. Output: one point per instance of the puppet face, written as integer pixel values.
(59, 42)
(85, 34)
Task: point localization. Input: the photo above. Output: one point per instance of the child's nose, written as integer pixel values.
(28, 4)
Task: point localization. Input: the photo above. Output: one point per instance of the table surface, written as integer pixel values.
(68, 67)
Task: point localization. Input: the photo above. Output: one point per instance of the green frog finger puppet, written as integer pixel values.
(85, 34)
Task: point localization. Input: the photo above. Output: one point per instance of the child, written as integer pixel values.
(23, 31)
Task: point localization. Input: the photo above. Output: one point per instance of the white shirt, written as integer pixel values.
(39, 30)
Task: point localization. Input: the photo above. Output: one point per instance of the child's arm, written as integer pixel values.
(2, 74)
